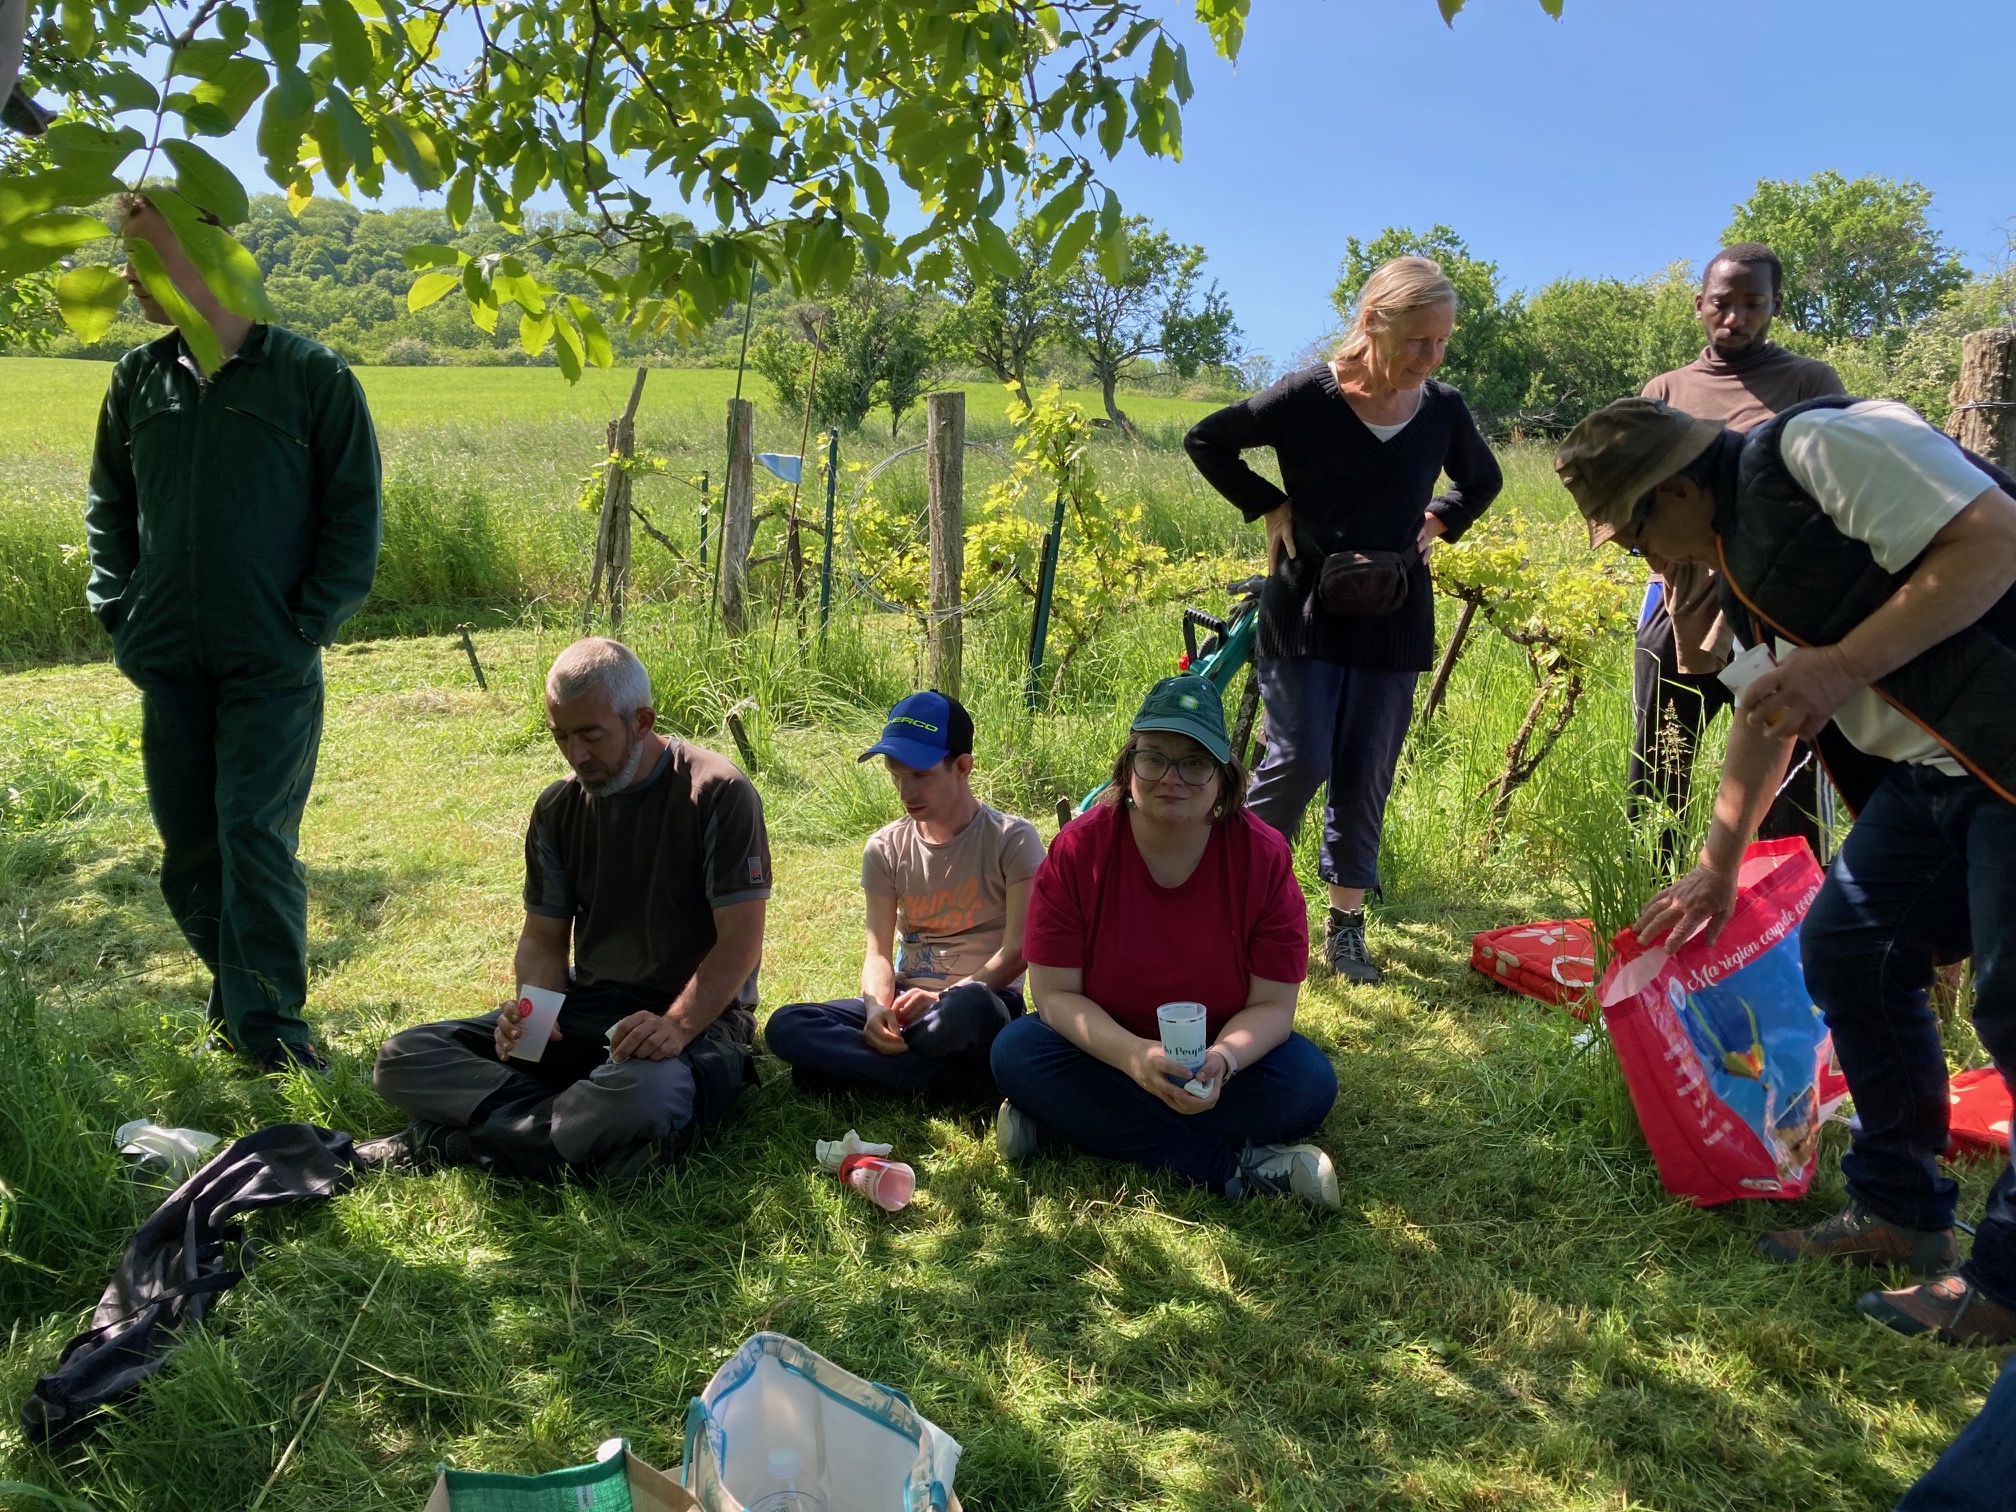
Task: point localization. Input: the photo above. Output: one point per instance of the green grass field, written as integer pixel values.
(1508, 1314)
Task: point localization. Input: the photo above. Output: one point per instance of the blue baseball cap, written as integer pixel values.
(923, 730)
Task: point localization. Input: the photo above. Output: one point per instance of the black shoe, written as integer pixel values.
(417, 1147)
(292, 1055)
(1344, 949)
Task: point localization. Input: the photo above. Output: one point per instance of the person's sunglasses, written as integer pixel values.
(1153, 766)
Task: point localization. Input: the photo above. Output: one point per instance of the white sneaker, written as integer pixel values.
(1278, 1170)
(1015, 1133)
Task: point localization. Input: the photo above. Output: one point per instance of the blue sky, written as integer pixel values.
(1611, 142)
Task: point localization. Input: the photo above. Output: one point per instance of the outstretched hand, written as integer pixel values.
(1800, 694)
(1704, 898)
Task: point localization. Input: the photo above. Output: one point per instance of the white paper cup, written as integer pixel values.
(1182, 1027)
(538, 1009)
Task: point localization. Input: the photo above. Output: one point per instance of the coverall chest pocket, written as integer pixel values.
(263, 441)
(157, 436)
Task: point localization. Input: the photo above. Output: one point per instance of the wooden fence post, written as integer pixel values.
(945, 459)
(611, 570)
(738, 516)
(1984, 400)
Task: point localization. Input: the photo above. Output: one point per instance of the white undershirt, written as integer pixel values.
(1891, 481)
(1388, 432)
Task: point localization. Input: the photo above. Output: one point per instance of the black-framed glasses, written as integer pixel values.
(1153, 766)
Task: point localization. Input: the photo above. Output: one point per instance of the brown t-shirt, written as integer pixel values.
(640, 872)
(952, 897)
(1742, 393)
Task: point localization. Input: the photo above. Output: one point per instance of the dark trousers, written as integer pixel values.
(229, 764)
(1343, 726)
(824, 1042)
(1081, 1100)
(571, 1107)
(1928, 874)
(1973, 1474)
(1670, 709)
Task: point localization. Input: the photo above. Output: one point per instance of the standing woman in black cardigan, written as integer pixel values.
(1361, 442)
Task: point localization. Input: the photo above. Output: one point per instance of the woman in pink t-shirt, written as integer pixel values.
(1169, 891)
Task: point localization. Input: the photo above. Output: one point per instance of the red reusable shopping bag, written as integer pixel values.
(1553, 961)
(1725, 1054)
(1981, 1111)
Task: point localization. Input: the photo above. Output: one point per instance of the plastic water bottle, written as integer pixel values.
(781, 1493)
(886, 1183)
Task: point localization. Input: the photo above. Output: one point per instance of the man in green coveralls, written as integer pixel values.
(233, 527)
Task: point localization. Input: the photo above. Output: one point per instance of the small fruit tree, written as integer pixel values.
(1537, 583)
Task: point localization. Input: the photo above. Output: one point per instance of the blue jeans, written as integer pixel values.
(824, 1041)
(1973, 1474)
(1081, 1100)
(1338, 725)
(1928, 874)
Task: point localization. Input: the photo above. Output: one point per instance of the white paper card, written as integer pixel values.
(538, 1008)
(1746, 669)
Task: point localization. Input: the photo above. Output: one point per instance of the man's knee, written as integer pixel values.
(1842, 955)
(622, 1103)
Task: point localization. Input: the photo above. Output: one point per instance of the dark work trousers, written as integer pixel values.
(229, 763)
(1973, 1474)
(1671, 709)
(571, 1107)
(1343, 726)
(1928, 874)
(1101, 1110)
(824, 1042)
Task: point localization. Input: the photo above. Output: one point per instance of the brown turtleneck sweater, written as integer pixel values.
(1742, 392)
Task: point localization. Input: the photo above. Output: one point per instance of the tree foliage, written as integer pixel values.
(1595, 339)
(1860, 258)
(780, 124)
(875, 344)
(1138, 297)
(1003, 320)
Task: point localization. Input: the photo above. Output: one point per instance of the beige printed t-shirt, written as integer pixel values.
(951, 899)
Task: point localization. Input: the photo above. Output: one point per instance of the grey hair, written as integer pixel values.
(599, 662)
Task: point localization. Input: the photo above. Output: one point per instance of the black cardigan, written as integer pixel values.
(1351, 491)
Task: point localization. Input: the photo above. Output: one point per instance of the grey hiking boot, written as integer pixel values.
(417, 1147)
(1858, 1237)
(1016, 1136)
(1344, 949)
(1300, 1170)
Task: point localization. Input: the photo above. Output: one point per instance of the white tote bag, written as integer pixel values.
(845, 1444)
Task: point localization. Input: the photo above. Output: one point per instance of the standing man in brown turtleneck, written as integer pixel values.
(1742, 378)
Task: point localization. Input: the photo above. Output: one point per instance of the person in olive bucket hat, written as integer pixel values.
(1877, 560)
(232, 527)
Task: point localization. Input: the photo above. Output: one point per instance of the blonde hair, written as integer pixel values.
(1394, 289)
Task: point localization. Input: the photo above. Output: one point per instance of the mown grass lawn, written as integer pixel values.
(1508, 1314)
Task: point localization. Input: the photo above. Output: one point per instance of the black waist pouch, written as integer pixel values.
(1363, 584)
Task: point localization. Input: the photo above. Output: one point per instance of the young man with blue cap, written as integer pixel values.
(947, 889)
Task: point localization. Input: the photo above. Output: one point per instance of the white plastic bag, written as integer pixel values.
(862, 1446)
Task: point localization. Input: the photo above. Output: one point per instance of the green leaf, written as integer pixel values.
(350, 130)
(206, 183)
(194, 328)
(1058, 209)
(124, 90)
(995, 249)
(599, 351)
(233, 90)
(870, 180)
(1112, 124)
(225, 266)
(89, 299)
(93, 149)
(1113, 258)
(567, 350)
(1071, 244)
(433, 255)
(349, 41)
(284, 121)
(1449, 8)
(31, 194)
(429, 287)
(200, 59)
(79, 25)
(28, 246)
(534, 331)
(200, 118)
(462, 197)
(280, 28)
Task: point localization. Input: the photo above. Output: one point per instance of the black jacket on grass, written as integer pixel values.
(1351, 492)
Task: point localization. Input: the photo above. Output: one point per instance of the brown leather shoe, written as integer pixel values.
(1859, 1237)
(1952, 1309)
